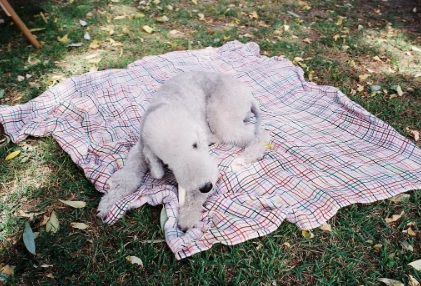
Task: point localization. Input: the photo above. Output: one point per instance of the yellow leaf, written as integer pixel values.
(79, 225)
(50, 275)
(94, 44)
(287, 244)
(194, 1)
(7, 269)
(139, 15)
(53, 224)
(74, 204)
(201, 16)
(162, 19)
(363, 77)
(307, 234)
(269, 145)
(336, 37)
(12, 155)
(64, 39)
(377, 246)
(376, 58)
(340, 19)
(254, 15)
(411, 232)
(326, 227)
(394, 217)
(120, 17)
(147, 29)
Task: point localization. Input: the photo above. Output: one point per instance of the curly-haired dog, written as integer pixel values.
(189, 112)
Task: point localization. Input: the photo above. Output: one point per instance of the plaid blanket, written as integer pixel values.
(328, 152)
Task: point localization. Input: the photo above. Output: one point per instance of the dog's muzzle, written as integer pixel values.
(206, 188)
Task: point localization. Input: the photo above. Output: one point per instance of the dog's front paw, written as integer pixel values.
(105, 205)
(122, 183)
(189, 216)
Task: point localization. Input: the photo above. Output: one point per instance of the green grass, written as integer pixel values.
(361, 248)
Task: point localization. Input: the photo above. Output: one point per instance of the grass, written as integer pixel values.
(361, 248)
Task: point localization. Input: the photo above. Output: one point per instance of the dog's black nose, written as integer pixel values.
(206, 188)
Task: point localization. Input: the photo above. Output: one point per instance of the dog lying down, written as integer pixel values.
(187, 114)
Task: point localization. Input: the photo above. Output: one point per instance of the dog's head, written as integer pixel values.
(181, 142)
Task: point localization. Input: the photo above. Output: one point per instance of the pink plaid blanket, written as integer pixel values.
(328, 152)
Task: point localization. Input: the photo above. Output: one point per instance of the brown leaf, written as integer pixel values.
(394, 217)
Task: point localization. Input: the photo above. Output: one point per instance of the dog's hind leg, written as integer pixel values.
(126, 180)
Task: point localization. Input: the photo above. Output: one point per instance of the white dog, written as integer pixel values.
(189, 112)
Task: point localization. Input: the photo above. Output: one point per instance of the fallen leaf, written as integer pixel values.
(120, 17)
(194, 1)
(254, 15)
(74, 204)
(340, 20)
(405, 245)
(326, 227)
(269, 145)
(416, 264)
(286, 244)
(162, 19)
(79, 225)
(8, 270)
(64, 39)
(411, 232)
(12, 155)
(413, 133)
(399, 90)
(412, 281)
(135, 260)
(175, 34)
(53, 223)
(20, 78)
(307, 234)
(394, 217)
(416, 49)
(29, 239)
(147, 29)
(336, 37)
(163, 218)
(307, 40)
(400, 197)
(83, 23)
(87, 36)
(363, 77)
(50, 275)
(390, 282)
(75, 45)
(44, 221)
(94, 44)
(201, 16)
(377, 246)
(376, 58)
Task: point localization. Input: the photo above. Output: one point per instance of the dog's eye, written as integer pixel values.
(194, 145)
